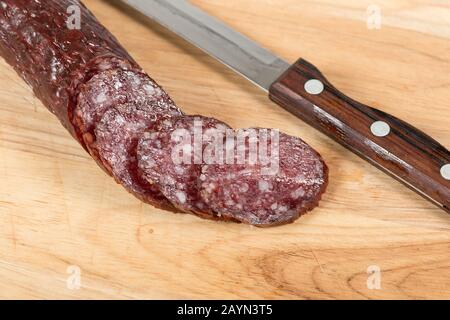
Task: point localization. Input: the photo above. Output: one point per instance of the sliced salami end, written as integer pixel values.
(172, 157)
(288, 182)
(117, 135)
(111, 88)
(103, 98)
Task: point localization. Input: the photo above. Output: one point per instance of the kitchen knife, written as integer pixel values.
(399, 149)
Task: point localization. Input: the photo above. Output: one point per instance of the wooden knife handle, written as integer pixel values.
(392, 145)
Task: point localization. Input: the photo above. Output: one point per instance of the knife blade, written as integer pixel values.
(392, 145)
(212, 36)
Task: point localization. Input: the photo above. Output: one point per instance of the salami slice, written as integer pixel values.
(275, 190)
(117, 135)
(172, 158)
(111, 88)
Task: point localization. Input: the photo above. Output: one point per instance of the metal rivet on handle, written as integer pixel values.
(314, 86)
(380, 129)
(445, 171)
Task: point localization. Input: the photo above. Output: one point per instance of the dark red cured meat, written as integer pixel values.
(52, 58)
(69, 69)
(244, 192)
(111, 88)
(172, 157)
(117, 135)
(58, 62)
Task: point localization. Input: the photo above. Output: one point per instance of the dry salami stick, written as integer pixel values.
(78, 70)
(126, 121)
(54, 57)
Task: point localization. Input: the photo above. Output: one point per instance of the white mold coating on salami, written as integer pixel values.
(117, 135)
(178, 178)
(243, 192)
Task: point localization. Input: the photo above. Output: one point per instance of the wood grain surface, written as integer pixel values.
(60, 214)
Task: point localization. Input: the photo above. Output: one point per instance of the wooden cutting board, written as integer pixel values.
(61, 216)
